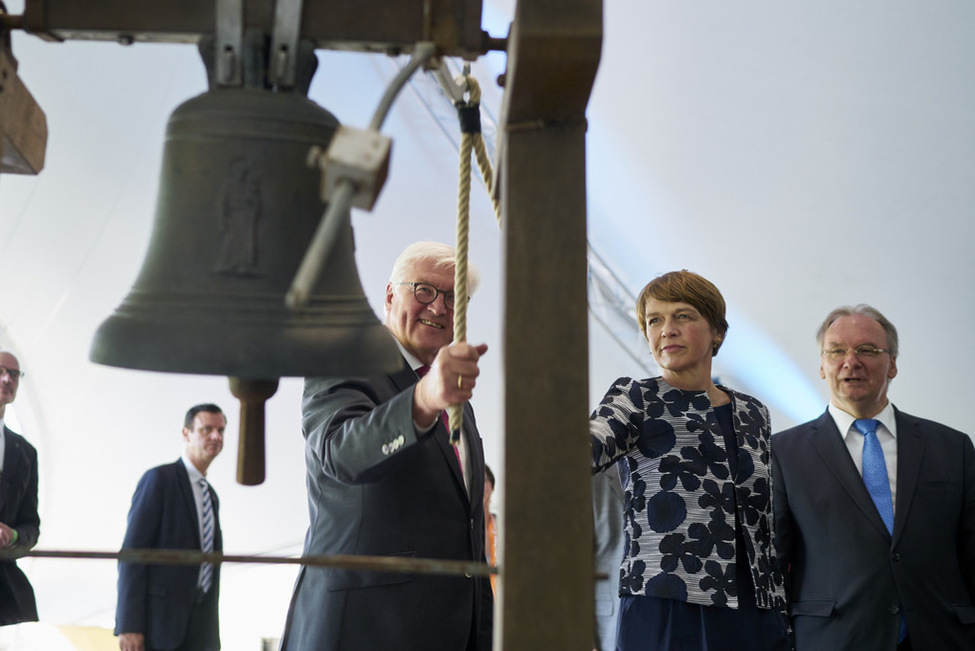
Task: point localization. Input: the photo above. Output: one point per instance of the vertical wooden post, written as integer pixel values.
(546, 595)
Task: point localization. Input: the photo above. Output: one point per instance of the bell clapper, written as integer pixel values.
(250, 451)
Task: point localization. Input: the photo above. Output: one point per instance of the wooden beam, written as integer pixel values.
(364, 25)
(545, 598)
(23, 126)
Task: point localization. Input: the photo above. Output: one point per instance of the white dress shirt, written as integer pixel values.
(3, 443)
(195, 476)
(197, 493)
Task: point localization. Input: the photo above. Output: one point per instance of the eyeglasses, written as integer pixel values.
(14, 373)
(866, 351)
(426, 293)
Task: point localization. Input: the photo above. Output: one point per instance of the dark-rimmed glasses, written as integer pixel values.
(426, 293)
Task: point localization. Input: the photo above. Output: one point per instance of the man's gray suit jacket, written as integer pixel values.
(376, 488)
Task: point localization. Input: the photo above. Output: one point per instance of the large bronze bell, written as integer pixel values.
(237, 207)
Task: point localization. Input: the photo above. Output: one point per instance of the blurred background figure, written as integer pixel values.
(490, 527)
(170, 607)
(607, 514)
(20, 524)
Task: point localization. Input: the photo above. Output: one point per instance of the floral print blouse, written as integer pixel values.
(680, 498)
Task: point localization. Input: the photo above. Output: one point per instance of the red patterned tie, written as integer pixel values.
(421, 371)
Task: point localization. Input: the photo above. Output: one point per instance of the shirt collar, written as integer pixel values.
(191, 470)
(411, 359)
(844, 421)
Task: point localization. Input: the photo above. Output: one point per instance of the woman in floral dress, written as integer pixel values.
(699, 569)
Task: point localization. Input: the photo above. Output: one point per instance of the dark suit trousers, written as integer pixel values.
(199, 630)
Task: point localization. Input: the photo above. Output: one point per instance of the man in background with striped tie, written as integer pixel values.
(175, 607)
(875, 508)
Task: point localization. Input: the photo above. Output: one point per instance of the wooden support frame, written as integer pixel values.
(23, 126)
(545, 598)
(364, 25)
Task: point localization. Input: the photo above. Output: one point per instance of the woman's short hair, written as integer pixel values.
(443, 258)
(864, 310)
(686, 287)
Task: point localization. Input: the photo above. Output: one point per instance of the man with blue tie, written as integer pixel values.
(175, 607)
(874, 508)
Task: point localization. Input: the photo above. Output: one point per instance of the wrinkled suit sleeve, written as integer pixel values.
(357, 428)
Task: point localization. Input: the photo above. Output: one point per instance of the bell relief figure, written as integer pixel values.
(239, 211)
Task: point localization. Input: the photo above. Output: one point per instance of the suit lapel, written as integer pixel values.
(828, 441)
(910, 457)
(186, 491)
(442, 437)
(406, 378)
(217, 532)
(8, 463)
(14, 464)
(476, 456)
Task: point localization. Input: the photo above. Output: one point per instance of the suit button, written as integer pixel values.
(895, 556)
(894, 609)
(468, 575)
(472, 523)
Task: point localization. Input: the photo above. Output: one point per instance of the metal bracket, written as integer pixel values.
(284, 43)
(452, 88)
(229, 41)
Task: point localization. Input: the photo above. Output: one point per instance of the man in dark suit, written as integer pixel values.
(20, 525)
(874, 508)
(383, 480)
(166, 607)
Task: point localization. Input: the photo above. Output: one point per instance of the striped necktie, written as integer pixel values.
(206, 569)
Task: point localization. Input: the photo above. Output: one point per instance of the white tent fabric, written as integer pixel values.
(801, 157)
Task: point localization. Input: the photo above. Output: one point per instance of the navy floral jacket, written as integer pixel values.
(680, 498)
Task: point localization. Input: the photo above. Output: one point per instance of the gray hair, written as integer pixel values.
(443, 258)
(864, 310)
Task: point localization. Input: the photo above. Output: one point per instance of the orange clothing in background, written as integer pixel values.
(491, 546)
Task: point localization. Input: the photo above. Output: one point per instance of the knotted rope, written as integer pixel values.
(471, 140)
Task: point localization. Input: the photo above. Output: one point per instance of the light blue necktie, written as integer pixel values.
(206, 569)
(875, 471)
(878, 483)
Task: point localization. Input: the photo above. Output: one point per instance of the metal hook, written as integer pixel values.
(453, 88)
